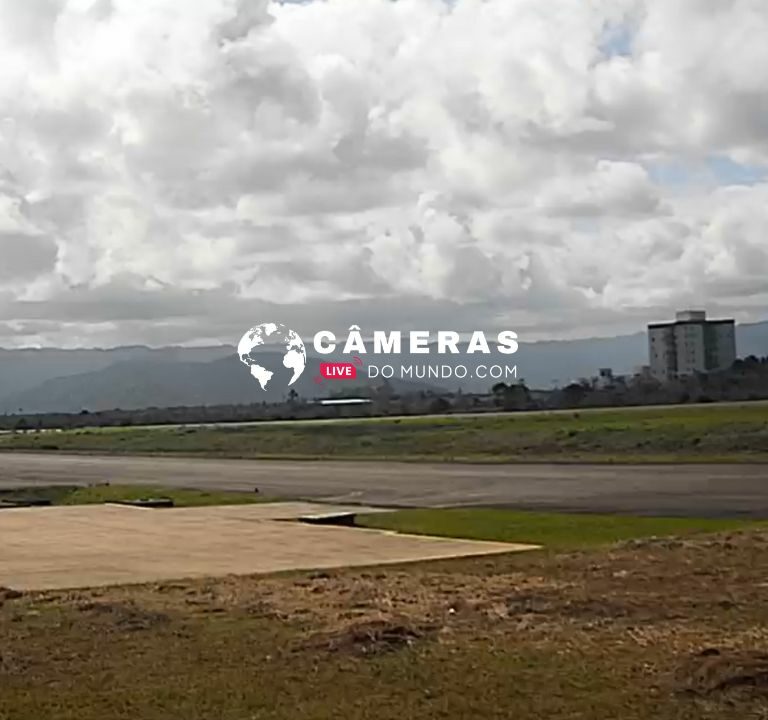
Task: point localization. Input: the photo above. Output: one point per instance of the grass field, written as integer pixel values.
(621, 617)
(708, 433)
(94, 494)
(652, 630)
(555, 531)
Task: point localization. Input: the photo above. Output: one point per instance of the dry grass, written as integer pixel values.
(656, 629)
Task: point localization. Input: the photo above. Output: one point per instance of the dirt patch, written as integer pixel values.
(372, 638)
(9, 594)
(123, 618)
(12, 664)
(714, 671)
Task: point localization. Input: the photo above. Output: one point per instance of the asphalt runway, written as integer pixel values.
(694, 490)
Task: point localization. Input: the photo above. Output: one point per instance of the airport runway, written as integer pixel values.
(696, 490)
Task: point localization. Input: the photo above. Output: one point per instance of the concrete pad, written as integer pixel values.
(96, 545)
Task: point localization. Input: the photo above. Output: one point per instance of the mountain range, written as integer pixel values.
(134, 377)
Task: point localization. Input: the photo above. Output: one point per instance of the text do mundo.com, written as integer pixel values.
(442, 372)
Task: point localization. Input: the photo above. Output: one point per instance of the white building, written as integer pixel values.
(691, 344)
(605, 378)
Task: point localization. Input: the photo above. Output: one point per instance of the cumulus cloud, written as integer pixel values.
(25, 249)
(169, 171)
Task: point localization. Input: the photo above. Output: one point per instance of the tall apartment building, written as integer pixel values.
(691, 344)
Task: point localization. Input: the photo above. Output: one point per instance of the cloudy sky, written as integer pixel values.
(176, 172)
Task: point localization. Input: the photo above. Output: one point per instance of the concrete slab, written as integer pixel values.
(96, 545)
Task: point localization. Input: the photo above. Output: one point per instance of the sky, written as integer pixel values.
(174, 173)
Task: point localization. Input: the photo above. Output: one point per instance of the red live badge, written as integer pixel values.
(338, 370)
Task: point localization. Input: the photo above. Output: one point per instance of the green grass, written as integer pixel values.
(555, 531)
(95, 494)
(709, 433)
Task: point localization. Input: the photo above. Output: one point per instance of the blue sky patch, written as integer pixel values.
(728, 172)
(617, 41)
(720, 168)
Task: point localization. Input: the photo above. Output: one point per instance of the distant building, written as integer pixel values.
(691, 344)
(643, 372)
(605, 378)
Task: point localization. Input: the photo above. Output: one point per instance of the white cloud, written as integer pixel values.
(338, 156)
(611, 189)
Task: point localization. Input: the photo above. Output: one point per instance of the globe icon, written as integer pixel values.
(273, 353)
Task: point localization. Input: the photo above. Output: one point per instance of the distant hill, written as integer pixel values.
(56, 380)
(160, 380)
(22, 370)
